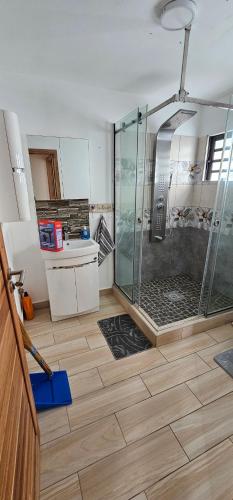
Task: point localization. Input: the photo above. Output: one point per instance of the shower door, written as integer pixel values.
(217, 291)
(129, 182)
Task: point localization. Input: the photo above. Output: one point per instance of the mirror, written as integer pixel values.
(59, 167)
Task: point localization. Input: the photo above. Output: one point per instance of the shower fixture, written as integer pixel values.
(162, 172)
(177, 14)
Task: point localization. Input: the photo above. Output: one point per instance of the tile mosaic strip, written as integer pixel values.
(75, 213)
(101, 207)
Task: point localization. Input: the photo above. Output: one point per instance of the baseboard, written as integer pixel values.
(41, 304)
(106, 291)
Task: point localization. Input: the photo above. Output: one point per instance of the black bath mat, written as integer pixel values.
(225, 360)
(123, 336)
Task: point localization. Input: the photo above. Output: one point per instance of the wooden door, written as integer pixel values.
(19, 433)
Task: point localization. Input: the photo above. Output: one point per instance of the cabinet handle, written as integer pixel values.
(73, 267)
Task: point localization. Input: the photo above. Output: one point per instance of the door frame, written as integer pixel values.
(51, 159)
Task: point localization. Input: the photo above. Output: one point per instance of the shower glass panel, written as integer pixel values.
(129, 181)
(217, 292)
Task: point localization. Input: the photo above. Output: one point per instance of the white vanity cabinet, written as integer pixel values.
(73, 283)
(87, 285)
(62, 291)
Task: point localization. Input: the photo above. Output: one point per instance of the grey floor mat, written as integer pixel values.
(225, 360)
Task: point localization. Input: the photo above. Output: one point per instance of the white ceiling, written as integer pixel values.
(116, 44)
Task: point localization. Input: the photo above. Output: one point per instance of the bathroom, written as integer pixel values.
(116, 236)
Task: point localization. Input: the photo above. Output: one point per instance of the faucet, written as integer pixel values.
(66, 232)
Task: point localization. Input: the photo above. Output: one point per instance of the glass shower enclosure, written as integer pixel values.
(215, 292)
(218, 275)
(130, 143)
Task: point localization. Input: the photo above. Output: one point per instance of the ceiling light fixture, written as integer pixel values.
(177, 14)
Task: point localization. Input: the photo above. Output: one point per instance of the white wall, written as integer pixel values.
(52, 108)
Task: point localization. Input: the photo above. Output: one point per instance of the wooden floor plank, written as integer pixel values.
(74, 451)
(86, 361)
(166, 376)
(67, 489)
(84, 383)
(150, 415)
(106, 401)
(206, 427)
(208, 354)
(130, 366)
(141, 496)
(186, 346)
(53, 424)
(212, 385)
(96, 340)
(44, 340)
(128, 472)
(106, 311)
(57, 352)
(221, 333)
(208, 477)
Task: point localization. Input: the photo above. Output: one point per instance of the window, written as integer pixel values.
(215, 151)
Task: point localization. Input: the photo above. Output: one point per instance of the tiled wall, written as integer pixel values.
(187, 164)
(190, 210)
(75, 213)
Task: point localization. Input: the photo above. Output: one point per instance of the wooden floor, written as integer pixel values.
(157, 425)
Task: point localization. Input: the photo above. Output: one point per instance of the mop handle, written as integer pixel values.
(33, 351)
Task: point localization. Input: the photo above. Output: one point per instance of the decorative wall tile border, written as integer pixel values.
(101, 207)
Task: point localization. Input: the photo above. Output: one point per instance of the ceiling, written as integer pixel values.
(116, 44)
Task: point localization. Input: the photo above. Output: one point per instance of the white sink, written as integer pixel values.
(73, 248)
(75, 244)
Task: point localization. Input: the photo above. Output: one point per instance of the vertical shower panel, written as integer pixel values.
(162, 171)
(129, 182)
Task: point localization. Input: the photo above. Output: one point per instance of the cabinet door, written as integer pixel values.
(75, 168)
(87, 282)
(62, 291)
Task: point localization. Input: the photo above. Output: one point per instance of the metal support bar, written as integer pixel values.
(204, 102)
(160, 106)
(182, 90)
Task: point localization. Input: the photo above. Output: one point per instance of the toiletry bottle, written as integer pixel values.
(85, 233)
(28, 310)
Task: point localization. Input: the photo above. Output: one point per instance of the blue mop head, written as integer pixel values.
(50, 392)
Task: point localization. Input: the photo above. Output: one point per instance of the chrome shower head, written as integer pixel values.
(178, 119)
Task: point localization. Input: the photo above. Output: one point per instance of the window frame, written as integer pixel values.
(211, 150)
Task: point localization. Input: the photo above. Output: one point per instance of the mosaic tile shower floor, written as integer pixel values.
(175, 298)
